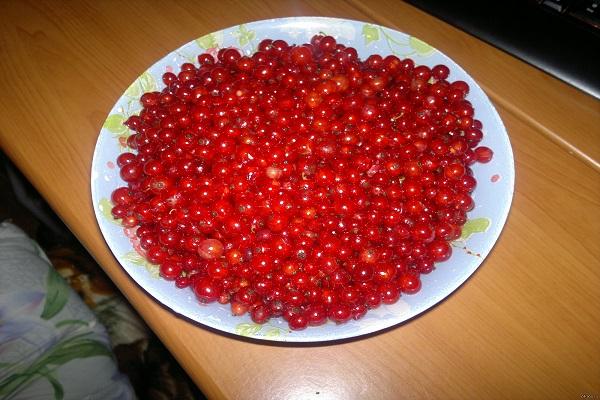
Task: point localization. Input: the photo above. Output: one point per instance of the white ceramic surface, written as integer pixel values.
(493, 194)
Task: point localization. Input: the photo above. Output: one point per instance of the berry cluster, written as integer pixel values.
(300, 182)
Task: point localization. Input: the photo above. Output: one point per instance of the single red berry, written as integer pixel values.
(340, 312)
(207, 290)
(440, 250)
(316, 315)
(260, 314)
(410, 282)
(297, 322)
(389, 293)
(440, 72)
(131, 172)
(483, 154)
(210, 249)
(170, 270)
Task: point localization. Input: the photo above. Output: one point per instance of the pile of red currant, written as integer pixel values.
(300, 182)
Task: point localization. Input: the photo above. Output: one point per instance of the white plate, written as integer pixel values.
(493, 194)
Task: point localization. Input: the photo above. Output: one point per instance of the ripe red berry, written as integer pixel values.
(122, 196)
(483, 154)
(170, 270)
(410, 282)
(207, 290)
(340, 312)
(297, 322)
(210, 249)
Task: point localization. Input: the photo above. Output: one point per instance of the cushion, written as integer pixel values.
(51, 344)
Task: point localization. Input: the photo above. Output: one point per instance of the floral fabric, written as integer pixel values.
(51, 344)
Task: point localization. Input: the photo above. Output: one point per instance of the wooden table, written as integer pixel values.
(525, 326)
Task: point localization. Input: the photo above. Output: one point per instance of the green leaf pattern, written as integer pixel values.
(370, 33)
(59, 392)
(66, 350)
(244, 36)
(397, 46)
(105, 207)
(257, 330)
(147, 82)
(472, 226)
(75, 340)
(68, 322)
(210, 41)
(114, 124)
(144, 83)
(134, 257)
(134, 90)
(57, 294)
(137, 259)
(273, 333)
(420, 47)
(245, 329)
(77, 348)
(477, 225)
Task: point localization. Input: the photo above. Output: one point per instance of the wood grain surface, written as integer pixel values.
(524, 326)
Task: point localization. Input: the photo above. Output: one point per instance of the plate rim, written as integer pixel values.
(496, 229)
